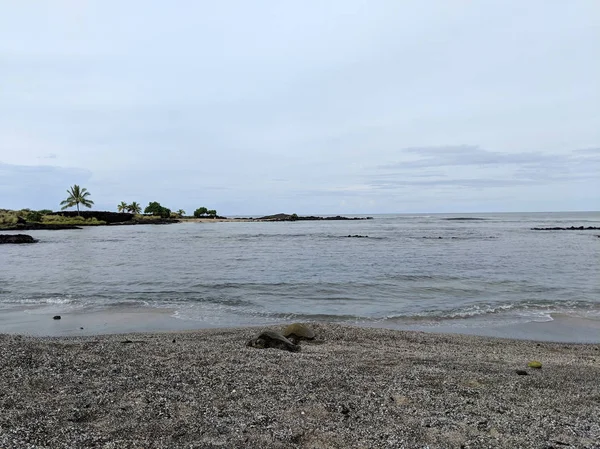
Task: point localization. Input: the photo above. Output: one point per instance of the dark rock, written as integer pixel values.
(294, 217)
(359, 236)
(21, 220)
(107, 217)
(16, 238)
(146, 221)
(34, 226)
(56, 317)
(572, 228)
(521, 372)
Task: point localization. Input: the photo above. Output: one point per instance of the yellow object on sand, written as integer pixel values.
(534, 364)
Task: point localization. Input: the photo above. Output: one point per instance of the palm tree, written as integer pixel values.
(181, 212)
(76, 197)
(134, 208)
(122, 207)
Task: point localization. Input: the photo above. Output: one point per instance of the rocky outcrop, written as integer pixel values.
(294, 217)
(38, 226)
(572, 228)
(107, 217)
(16, 238)
(153, 221)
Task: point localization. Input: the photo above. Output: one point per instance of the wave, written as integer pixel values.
(532, 310)
(465, 219)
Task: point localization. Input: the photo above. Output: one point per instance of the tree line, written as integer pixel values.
(78, 195)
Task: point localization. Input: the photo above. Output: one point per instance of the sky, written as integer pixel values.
(343, 106)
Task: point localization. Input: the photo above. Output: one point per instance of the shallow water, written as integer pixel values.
(485, 272)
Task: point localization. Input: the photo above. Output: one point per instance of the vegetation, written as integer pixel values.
(34, 216)
(180, 213)
(76, 197)
(156, 209)
(200, 212)
(203, 212)
(77, 221)
(134, 208)
(9, 218)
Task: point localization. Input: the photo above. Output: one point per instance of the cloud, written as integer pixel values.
(468, 155)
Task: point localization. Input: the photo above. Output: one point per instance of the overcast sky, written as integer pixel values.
(337, 106)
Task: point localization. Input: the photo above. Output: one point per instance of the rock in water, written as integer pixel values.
(271, 339)
(297, 332)
(56, 317)
(16, 238)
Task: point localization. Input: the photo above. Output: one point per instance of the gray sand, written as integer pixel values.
(356, 387)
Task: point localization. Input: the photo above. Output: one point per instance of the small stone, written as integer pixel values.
(56, 317)
(535, 364)
(521, 372)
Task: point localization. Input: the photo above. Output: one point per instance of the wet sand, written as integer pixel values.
(353, 388)
(37, 321)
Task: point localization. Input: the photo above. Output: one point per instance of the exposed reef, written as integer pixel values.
(16, 238)
(294, 217)
(572, 228)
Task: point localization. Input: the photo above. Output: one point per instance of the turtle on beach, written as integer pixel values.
(297, 332)
(272, 339)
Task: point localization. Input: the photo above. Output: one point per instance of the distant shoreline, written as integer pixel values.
(126, 219)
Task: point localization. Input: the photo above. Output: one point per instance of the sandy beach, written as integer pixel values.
(354, 387)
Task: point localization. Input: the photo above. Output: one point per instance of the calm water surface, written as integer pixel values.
(490, 270)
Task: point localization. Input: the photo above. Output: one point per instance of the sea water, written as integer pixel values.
(463, 271)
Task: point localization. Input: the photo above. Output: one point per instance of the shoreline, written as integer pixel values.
(37, 321)
(354, 387)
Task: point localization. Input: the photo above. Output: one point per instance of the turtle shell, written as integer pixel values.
(272, 339)
(298, 332)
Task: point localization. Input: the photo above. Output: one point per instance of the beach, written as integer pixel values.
(352, 387)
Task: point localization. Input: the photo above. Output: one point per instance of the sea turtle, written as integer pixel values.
(297, 332)
(272, 339)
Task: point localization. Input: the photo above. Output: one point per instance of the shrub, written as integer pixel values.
(200, 212)
(77, 220)
(156, 209)
(8, 218)
(45, 211)
(33, 216)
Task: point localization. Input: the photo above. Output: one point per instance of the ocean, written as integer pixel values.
(463, 272)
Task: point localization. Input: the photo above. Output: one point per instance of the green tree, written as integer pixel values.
(200, 212)
(134, 208)
(212, 213)
(156, 209)
(180, 212)
(33, 216)
(76, 197)
(122, 207)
